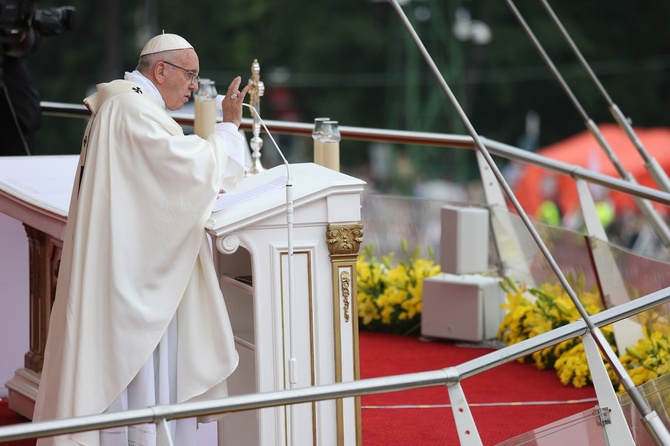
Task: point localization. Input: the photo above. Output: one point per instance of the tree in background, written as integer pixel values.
(353, 61)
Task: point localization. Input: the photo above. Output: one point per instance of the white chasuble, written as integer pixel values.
(135, 258)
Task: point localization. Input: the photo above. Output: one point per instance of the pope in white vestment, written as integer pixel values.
(139, 318)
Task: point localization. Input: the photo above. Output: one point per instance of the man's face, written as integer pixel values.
(180, 80)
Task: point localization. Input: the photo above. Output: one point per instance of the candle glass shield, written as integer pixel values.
(206, 89)
(330, 131)
(317, 133)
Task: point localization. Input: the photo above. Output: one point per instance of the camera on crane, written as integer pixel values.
(20, 20)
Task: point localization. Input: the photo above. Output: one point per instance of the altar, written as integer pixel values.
(36, 192)
(287, 269)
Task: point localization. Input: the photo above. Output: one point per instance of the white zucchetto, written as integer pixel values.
(165, 42)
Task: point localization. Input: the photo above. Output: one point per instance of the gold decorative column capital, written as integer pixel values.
(344, 239)
(344, 242)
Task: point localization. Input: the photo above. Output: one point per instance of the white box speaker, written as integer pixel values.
(464, 240)
(465, 308)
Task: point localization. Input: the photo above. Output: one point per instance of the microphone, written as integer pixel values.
(292, 365)
(217, 104)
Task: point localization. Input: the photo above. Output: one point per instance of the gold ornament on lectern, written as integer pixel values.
(344, 239)
(343, 243)
(256, 90)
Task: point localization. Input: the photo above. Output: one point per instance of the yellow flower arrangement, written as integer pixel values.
(390, 300)
(552, 308)
(390, 293)
(648, 359)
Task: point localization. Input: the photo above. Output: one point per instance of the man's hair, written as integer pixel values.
(147, 62)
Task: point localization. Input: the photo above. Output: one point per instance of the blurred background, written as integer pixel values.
(352, 60)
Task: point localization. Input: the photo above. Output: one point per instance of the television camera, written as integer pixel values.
(20, 20)
(22, 25)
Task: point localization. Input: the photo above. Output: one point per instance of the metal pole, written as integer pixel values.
(645, 207)
(655, 170)
(605, 348)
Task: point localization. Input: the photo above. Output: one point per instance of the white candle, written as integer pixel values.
(318, 152)
(205, 118)
(331, 145)
(331, 155)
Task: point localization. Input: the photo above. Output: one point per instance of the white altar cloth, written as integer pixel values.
(39, 185)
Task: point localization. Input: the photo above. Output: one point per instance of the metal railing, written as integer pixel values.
(449, 376)
(416, 138)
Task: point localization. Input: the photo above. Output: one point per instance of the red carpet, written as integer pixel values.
(505, 402)
(8, 416)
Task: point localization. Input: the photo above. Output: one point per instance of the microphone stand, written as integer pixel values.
(653, 423)
(292, 362)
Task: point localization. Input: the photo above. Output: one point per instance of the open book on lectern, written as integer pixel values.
(229, 199)
(263, 195)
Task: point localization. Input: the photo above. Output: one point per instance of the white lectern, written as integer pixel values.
(251, 239)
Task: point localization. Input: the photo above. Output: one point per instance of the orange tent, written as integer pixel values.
(534, 185)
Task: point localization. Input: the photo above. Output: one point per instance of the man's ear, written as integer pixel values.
(159, 72)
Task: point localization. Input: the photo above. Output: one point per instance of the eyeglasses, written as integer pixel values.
(194, 76)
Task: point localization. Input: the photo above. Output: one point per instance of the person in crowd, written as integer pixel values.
(549, 211)
(138, 318)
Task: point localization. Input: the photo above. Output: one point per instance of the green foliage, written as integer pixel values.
(352, 60)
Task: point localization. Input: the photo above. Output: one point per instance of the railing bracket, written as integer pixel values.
(603, 414)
